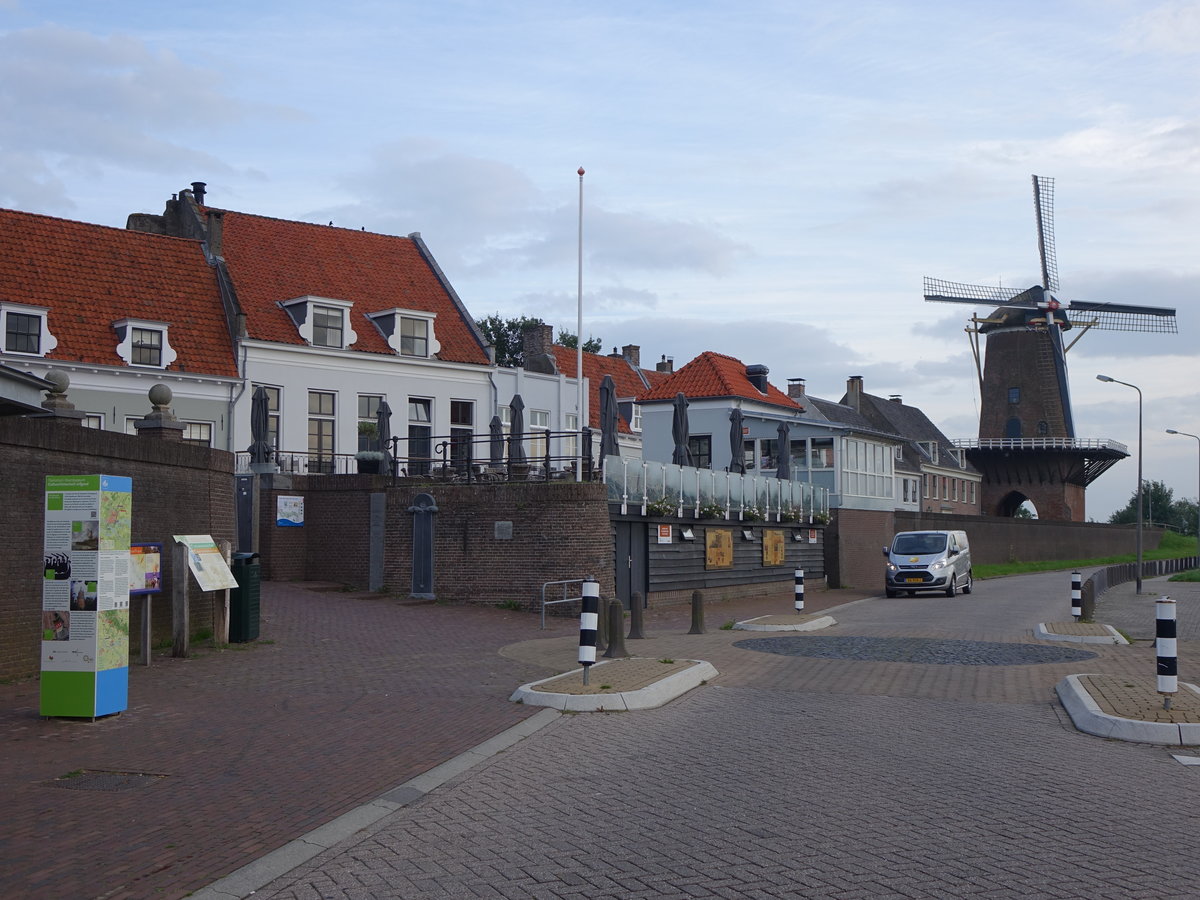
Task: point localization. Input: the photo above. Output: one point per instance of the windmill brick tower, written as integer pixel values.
(1027, 447)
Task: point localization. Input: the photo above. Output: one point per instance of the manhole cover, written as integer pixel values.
(927, 651)
(104, 781)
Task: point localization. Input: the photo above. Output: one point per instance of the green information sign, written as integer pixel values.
(85, 595)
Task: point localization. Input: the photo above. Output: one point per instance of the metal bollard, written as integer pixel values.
(616, 630)
(635, 617)
(1164, 642)
(601, 626)
(1076, 595)
(587, 625)
(799, 590)
(697, 613)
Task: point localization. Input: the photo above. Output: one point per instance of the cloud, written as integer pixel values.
(1167, 28)
(485, 216)
(86, 104)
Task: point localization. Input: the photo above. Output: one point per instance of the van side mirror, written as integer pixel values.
(885, 551)
(954, 553)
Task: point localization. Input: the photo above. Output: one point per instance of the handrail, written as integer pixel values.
(565, 598)
(1043, 443)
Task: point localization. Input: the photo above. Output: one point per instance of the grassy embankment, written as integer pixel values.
(1172, 546)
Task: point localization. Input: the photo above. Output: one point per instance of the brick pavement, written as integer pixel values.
(343, 698)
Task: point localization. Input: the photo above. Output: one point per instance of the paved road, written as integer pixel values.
(791, 776)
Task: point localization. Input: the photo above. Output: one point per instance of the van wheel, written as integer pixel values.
(951, 588)
(970, 583)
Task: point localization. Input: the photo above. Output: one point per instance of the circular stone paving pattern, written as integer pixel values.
(926, 651)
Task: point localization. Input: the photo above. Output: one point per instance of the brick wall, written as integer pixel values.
(560, 530)
(177, 489)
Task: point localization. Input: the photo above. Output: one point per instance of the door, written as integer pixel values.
(631, 565)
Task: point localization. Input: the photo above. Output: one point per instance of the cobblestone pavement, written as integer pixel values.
(343, 698)
(800, 777)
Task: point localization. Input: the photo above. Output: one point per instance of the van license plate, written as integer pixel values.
(913, 580)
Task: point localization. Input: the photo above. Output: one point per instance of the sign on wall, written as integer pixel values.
(85, 595)
(289, 512)
(718, 548)
(773, 548)
(664, 534)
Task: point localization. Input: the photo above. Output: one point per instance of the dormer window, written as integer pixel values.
(408, 332)
(322, 322)
(930, 449)
(25, 330)
(143, 343)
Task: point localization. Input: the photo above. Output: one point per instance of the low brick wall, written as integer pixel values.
(177, 489)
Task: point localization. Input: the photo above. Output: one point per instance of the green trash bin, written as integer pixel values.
(243, 600)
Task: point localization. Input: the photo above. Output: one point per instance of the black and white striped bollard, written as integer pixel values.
(799, 590)
(1077, 595)
(1164, 642)
(588, 616)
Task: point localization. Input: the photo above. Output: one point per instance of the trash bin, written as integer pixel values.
(243, 600)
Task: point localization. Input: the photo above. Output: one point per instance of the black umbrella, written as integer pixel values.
(260, 426)
(784, 468)
(608, 418)
(682, 455)
(496, 444)
(737, 461)
(383, 425)
(516, 432)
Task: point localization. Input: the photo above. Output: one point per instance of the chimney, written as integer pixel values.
(796, 388)
(854, 390)
(895, 398)
(616, 354)
(536, 340)
(667, 365)
(758, 377)
(216, 232)
(633, 355)
(198, 192)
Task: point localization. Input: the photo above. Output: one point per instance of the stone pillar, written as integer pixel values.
(60, 408)
(160, 423)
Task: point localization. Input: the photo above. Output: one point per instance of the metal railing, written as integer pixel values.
(655, 488)
(565, 598)
(1046, 443)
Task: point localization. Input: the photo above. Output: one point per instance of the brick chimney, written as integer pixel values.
(757, 376)
(896, 398)
(854, 391)
(216, 232)
(633, 355)
(796, 388)
(666, 365)
(536, 340)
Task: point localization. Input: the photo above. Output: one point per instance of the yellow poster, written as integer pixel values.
(774, 548)
(718, 548)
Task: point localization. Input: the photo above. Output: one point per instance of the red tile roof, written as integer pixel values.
(716, 375)
(275, 260)
(90, 276)
(595, 367)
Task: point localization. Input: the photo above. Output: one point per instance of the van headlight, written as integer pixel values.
(940, 564)
(892, 567)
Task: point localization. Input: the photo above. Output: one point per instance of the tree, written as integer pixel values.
(505, 335)
(1159, 507)
(569, 340)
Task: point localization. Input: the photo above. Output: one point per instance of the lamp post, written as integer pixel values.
(1197, 437)
(1139, 474)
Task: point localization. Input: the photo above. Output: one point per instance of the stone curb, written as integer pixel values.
(811, 625)
(1087, 716)
(1042, 633)
(250, 878)
(653, 695)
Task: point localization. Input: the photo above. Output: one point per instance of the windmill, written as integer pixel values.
(1025, 338)
(1025, 403)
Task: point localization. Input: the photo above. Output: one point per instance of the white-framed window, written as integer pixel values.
(954, 489)
(141, 342)
(505, 413)
(571, 444)
(867, 469)
(368, 422)
(420, 432)
(93, 420)
(25, 329)
(409, 332)
(199, 433)
(539, 424)
(462, 432)
(635, 424)
(822, 453)
(322, 422)
(898, 451)
(322, 321)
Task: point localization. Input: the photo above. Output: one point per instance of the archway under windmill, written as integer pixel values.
(1016, 505)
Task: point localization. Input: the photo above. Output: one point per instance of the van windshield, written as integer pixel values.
(919, 544)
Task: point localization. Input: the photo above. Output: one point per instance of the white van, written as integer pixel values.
(928, 561)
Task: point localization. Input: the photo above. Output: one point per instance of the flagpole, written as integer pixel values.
(580, 423)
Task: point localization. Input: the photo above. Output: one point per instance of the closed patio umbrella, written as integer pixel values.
(608, 418)
(516, 433)
(737, 462)
(383, 425)
(784, 468)
(682, 455)
(496, 441)
(260, 426)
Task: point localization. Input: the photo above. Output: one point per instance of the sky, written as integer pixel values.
(766, 179)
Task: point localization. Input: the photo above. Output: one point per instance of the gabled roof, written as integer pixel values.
(271, 261)
(715, 375)
(912, 424)
(89, 276)
(840, 414)
(630, 380)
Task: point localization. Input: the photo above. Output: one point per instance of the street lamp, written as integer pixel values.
(1197, 437)
(1139, 474)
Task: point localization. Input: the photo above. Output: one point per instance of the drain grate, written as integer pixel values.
(88, 780)
(927, 651)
